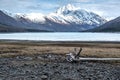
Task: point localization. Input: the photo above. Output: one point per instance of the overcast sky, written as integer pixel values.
(105, 8)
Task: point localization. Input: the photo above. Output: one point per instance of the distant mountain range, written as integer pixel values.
(66, 19)
(110, 26)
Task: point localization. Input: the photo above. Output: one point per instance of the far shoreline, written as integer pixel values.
(58, 42)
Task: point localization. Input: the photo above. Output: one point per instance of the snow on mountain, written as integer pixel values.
(110, 26)
(69, 14)
(34, 17)
(7, 13)
(66, 8)
(6, 18)
(67, 18)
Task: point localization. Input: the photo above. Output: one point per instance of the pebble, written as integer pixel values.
(32, 69)
(44, 77)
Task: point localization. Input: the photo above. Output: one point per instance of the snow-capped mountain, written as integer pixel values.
(67, 18)
(71, 15)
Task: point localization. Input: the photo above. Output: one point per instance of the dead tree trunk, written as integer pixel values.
(78, 54)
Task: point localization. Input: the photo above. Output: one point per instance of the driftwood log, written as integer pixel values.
(71, 57)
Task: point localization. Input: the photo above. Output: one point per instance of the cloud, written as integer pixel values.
(106, 8)
(26, 6)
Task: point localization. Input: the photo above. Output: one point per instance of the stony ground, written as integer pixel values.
(55, 67)
(29, 60)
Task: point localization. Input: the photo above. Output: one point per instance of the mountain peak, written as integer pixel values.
(70, 14)
(68, 7)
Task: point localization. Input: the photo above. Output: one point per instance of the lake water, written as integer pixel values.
(62, 36)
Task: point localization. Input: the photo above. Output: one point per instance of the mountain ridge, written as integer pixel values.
(66, 19)
(110, 26)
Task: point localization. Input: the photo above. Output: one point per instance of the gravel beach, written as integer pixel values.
(38, 61)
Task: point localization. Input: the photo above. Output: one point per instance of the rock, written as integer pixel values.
(28, 58)
(68, 79)
(39, 57)
(44, 77)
